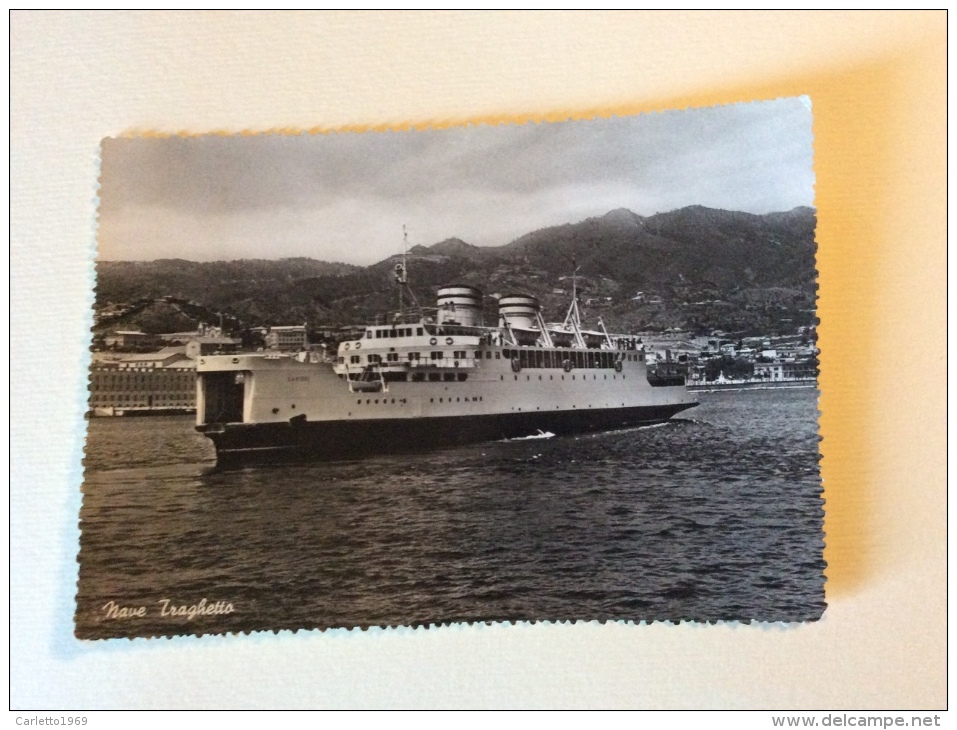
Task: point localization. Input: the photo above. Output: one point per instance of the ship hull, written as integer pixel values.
(242, 444)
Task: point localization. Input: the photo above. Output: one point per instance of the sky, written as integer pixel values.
(344, 196)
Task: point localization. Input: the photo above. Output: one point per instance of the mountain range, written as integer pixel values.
(694, 268)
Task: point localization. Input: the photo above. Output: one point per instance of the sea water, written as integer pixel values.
(716, 515)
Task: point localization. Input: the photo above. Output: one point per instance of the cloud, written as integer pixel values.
(345, 196)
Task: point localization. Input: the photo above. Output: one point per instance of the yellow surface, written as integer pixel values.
(877, 82)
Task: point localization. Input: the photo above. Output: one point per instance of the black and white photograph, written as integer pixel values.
(557, 371)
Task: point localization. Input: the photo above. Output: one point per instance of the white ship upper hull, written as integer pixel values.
(248, 402)
(278, 389)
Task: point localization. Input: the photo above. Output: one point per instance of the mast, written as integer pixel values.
(402, 278)
(401, 272)
(573, 318)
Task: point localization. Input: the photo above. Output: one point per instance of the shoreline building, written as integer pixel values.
(140, 384)
(287, 338)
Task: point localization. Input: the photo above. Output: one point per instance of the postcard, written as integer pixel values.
(522, 372)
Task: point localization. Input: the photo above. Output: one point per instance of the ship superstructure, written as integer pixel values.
(424, 381)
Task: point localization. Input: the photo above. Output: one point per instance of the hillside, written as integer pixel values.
(695, 268)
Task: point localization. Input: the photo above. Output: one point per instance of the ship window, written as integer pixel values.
(393, 357)
(462, 377)
(441, 401)
(523, 358)
(478, 355)
(506, 353)
(418, 377)
(378, 334)
(488, 355)
(369, 334)
(434, 377)
(431, 400)
(459, 354)
(436, 355)
(448, 377)
(418, 331)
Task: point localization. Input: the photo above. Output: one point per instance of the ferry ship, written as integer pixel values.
(424, 381)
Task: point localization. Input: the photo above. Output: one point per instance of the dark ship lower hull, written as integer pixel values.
(240, 444)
